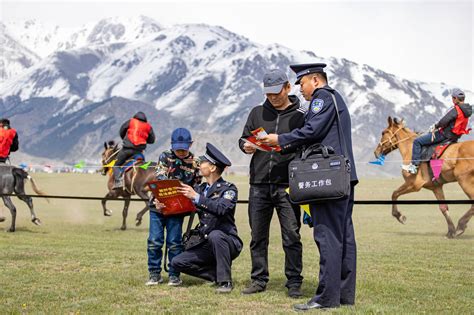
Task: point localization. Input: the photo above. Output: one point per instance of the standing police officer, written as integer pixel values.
(333, 228)
(211, 259)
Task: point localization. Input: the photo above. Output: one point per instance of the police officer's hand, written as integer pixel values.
(249, 149)
(187, 190)
(271, 139)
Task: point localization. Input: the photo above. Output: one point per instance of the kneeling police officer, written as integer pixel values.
(219, 242)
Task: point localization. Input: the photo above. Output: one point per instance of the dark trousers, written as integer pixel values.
(123, 155)
(425, 140)
(334, 236)
(211, 260)
(262, 200)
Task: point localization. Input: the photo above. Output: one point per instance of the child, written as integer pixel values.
(177, 163)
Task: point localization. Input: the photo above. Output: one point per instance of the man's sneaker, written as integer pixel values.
(295, 292)
(154, 280)
(410, 168)
(224, 287)
(175, 281)
(254, 287)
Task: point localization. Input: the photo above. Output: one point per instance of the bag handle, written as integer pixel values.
(317, 148)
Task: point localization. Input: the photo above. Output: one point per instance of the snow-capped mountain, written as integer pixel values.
(202, 77)
(14, 57)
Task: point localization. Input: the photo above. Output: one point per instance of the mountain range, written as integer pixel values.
(67, 91)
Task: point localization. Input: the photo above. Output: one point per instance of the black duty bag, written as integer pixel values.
(319, 174)
(192, 237)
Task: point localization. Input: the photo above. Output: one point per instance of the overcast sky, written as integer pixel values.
(424, 40)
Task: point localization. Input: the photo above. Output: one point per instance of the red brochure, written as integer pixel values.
(166, 193)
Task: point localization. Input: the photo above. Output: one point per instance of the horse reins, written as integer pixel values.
(111, 156)
(393, 145)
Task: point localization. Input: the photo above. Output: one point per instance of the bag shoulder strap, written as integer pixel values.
(190, 223)
(342, 140)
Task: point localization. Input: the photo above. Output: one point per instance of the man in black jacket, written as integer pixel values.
(279, 113)
(136, 134)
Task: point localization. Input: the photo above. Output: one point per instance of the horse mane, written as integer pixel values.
(401, 122)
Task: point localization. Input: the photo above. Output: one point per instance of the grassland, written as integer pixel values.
(79, 261)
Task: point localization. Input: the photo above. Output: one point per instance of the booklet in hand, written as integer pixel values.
(256, 143)
(166, 193)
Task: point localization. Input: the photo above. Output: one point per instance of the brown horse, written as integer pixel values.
(134, 183)
(458, 167)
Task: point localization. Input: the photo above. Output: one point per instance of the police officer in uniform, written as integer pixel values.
(8, 140)
(333, 228)
(219, 242)
(136, 134)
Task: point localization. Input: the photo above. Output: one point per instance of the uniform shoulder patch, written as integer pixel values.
(229, 194)
(316, 105)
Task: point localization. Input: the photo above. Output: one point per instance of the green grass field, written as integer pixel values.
(79, 261)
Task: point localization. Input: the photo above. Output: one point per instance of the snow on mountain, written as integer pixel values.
(14, 57)
(45, 39)
(202, 77)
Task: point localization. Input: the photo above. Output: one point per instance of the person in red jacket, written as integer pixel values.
(136, 134)
(8, 140)
(451, 127)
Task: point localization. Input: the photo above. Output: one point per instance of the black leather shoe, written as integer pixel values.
(254, 287)
(308, 306)
(295, 292)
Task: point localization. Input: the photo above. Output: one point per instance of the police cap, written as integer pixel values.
(306, 68)
(214, 156)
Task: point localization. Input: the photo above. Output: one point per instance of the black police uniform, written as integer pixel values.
(212, 258)
(333, 228)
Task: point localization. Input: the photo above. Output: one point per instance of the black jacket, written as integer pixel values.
(272, 167)
(15, 144)
(321, 127)
(448, 120)
(127, 143)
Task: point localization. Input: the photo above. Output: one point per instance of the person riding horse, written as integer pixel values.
(8, 140)
(451, 127)
(136, 133)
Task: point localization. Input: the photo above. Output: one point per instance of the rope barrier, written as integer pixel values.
(357, 202)
(94, 166)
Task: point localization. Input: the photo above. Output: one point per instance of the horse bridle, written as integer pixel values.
(107, 161)
(394, 145)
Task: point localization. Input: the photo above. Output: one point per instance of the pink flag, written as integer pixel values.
(436, 166)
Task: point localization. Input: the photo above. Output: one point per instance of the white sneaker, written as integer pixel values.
(175, 281)
(410, 168)
(154, 280)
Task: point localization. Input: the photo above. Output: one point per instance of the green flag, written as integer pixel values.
(80, 165)
(145, 166)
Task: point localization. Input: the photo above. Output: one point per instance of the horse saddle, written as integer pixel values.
(137, 158)
(434, 151)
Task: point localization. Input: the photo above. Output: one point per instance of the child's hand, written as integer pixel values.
(158, 205)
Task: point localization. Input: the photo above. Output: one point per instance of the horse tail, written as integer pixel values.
(20, 174)
(35, 187)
